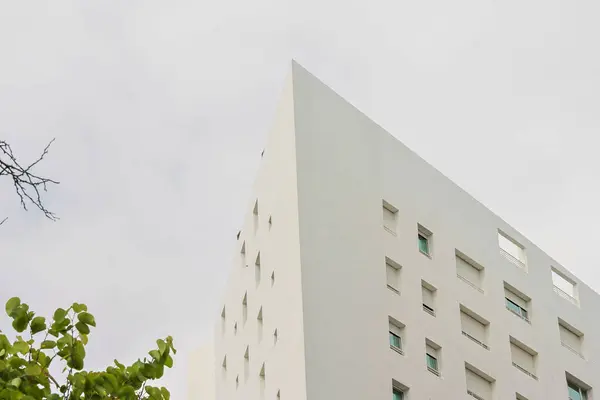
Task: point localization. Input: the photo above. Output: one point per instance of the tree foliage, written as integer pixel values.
(25, 363)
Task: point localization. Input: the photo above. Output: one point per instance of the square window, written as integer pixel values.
(395, 341)
(432, 357)
(576, 392)
(432, 362)
(516, 302)
(424, 240)
(397, 394)
(389, 217)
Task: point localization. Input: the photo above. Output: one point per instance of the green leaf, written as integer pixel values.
(79, 307)
(165, 393)
(59, 314)
(48, 344)
(79, 349)
(162, 346)
(86, 318)
(21, 347)
(38, 324)
(33, 370)
(82, 328)
(75, 362)
(2, 365)
(154, 393)
(112, 380)
(84, 338)
(11, 304)
(169, 362)
(20, 324)
(126, 392)
(65, 340)
(17, 362)
(16, 382)
(170, 343)
(155, 354)
(119, 365)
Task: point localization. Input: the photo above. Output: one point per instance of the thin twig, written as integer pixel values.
(28, 185)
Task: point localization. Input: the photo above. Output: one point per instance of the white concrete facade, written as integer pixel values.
(331, 257)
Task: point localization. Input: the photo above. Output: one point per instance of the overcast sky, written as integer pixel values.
(160, 110)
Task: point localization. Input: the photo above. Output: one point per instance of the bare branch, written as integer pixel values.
(28, 185)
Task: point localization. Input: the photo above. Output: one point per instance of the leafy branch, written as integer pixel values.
(25, 365)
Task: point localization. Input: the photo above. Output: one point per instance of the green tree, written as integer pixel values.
(25, 363)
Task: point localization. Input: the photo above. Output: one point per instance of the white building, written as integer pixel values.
(362, 273)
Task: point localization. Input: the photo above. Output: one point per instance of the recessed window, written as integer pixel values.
(259, 323)
(257, 269)
(392, 271)
(512, 250)
(565, 287)
(275, 336)
(479, 384)
(570, 337)
(428, 294)
(235, 328)
(424, 240)
(523, 357)
(396, 332)
(390, 214)
(270, 222)
(262, 379)
(397, 394)
(243, 255)
(474, 327)
(224, 363)
(272, 278)
(246, 363)
(577, 389)
(245, 308)
(432, 357)
(223, 321)
(237, 381)
(255, 216)
(399, 390)
(516, 302)
(469, 271)
(519, 396)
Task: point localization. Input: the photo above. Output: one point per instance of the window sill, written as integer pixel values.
(566, 346)
(479, 342)
(520, 316)
(397, 350)
(468, 282)
(434, 371)
(523, 370)
(428, 310)
(393, 289)
(474, 395)
(390, 231)
(428, 255)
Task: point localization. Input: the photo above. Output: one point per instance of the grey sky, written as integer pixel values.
(160, 110)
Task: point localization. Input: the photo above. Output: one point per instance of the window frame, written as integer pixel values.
(580, 391)
(397, 394)
(391, 336)
(423, 238)
(429, 357)
(523, 313)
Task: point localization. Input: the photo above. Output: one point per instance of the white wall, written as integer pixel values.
(326, 170)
